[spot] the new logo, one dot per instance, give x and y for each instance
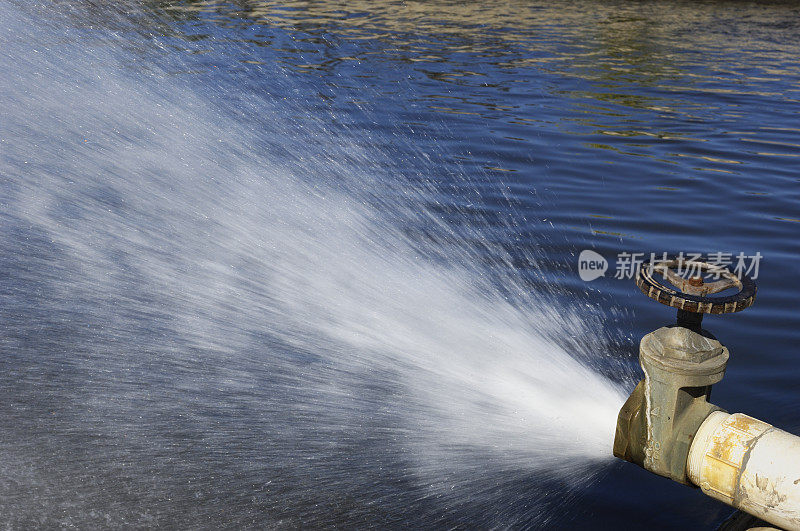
(591, 265)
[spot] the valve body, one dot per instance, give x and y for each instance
(658, 421)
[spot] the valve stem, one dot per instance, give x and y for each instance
(691, 320)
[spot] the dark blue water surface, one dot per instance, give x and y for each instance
(648, 126)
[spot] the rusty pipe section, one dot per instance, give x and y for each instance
(669, 427)
(750, 465)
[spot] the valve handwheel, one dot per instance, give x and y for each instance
(692, 294)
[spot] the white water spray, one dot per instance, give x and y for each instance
(198, 330)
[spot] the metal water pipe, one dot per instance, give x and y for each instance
(669, 427)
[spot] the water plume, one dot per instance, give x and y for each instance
(220, 317)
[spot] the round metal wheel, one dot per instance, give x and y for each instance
(691, 293)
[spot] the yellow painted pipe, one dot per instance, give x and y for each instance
(750, 465)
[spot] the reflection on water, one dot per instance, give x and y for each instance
(661, 66)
